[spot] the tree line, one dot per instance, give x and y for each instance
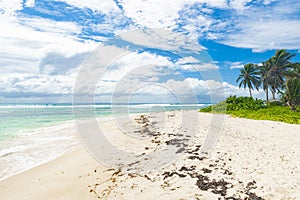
(278, 75)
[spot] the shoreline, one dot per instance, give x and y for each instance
(28, 150)
(55, 129)
(41, 163)
(258, 157)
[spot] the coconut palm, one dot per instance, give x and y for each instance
(280, 69)
(265, 79)
(295, 71)
(249, 77)
(297, 68)
(292, 93)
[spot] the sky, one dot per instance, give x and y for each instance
(154, 51)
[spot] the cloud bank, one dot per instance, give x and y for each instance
(44, 44)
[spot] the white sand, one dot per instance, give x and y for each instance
(251, 159)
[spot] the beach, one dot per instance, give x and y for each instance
(247, 159)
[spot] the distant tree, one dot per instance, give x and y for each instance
(249, 77)
(295, 71)
(297, 68)
(292, 93)
(274, 74)
(265, 79)
(280, 69)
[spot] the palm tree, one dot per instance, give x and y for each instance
(297, 68)
(280, 69)
(295, 71)
(249, 77)
(265, 79)
(292, 93)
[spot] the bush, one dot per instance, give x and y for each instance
(206, 109)
(274, 113)
(250, 108)
(276, 103)
(219, 108)
(244, 103)
(236, 103)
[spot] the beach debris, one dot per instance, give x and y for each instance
(170, 174)
(205, 170)
(180, 150)
(146, 127)
(216, 187)
(184, 168)
(196, 157)
(177, 142)
(209, 175)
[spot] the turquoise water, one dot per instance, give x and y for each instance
(16, 118)
(31, 134)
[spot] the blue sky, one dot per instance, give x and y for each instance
(178, 49)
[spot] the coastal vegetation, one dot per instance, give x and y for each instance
(277, 75)
(248, 107)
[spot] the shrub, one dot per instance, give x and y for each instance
(276, 103)
(248, 107)
(236, 103)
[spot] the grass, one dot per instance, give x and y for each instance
(273, 113)
(246, 107)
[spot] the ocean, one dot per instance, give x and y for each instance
(31, 134)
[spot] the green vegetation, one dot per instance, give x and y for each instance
(292, 93)
(249, 77)
(234, 103)
(273, 113)
(248, 107)
(278, 75)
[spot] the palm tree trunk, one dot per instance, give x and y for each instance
(267, 96)
(273, 95)
(292, 106)
(250, 92)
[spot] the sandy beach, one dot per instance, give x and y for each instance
(251, 160)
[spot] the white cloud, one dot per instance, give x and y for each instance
(9, 7)
(161, 14)
(184, 90)
(50, 26)
(14, 84)
(22, 47)
(153, 13)
(265, 35)
(36, 86)
(161, 39)
(266, 2)
(126, 75)
(105, 6)
(235, 65)
(193, 64)
(261, 28)
(137, 65)
(239, 5)
(215, 89)
(30, 3)
(137, 74)
(37, 52)
(34, 49)
(199, 67)
(186, 60)
(251, 25)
